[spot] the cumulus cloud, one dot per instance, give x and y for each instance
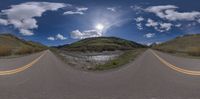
(178, 25)
(78, 10)
(3, 22)
(57, 37)
(139, 26)
(139, 19)
(60, 37)
(138, 22)
(76, 34)
(151, 23)
(159, 26)
(169, 12)
(22, 16)
(149, 35)
(51, 38)
(165, 26)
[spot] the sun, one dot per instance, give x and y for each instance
(99, 27)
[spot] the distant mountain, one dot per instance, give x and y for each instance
(101, 44)
(183, 44)
(10, 44)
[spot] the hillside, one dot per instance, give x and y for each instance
(102, 44)
(186, 44)
(10, 44)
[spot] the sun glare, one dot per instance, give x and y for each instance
(99, 27)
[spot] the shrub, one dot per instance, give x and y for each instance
(5, 50)
(24, 50)
(194, 51)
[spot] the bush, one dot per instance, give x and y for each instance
(194, 51)
(24, 50)
(5, 50)
(28, 50)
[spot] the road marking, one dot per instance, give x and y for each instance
(176, 68)
(22, 68)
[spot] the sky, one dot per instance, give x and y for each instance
(58, 22)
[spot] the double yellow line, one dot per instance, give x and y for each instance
(22, 68)
(176, 68)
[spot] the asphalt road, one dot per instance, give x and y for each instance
(153, 75)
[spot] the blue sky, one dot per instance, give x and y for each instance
(58, 22)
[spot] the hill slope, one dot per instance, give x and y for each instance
(10, 44)
(102, 44)
(186, 44)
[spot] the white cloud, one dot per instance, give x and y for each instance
(158, 10)
(73, 12)
(149, 35)
(151, 23)
(57, 37)
(26, 32)
(159, 26)
(165, 26)
(3, 22)
(78, 10)
(51, 38)
(139, 19)
(61, 37)
(82, 9)
(22, 16)
(199, 20)
(76, 34)
(139, 26)
(169, 12)
(113, 9)
(138, 9)
(178, 25)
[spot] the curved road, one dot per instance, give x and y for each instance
(150, 76)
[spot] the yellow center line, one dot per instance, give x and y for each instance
(22, 68)
(176, 68)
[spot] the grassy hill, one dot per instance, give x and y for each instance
(189, 44)
(102, 44)
(10, 44)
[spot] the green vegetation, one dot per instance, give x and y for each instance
(99, 44)
(189, 44)
(123, 59)
(11, 45)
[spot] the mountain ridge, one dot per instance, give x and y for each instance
(101, 44)
(10, 44)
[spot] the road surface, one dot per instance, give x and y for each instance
(153, 75)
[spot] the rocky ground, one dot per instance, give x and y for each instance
(88, 60)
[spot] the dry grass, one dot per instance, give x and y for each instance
(28, 50)
(5, 50)
(24, 50)
(186, 45)
(194, 51)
